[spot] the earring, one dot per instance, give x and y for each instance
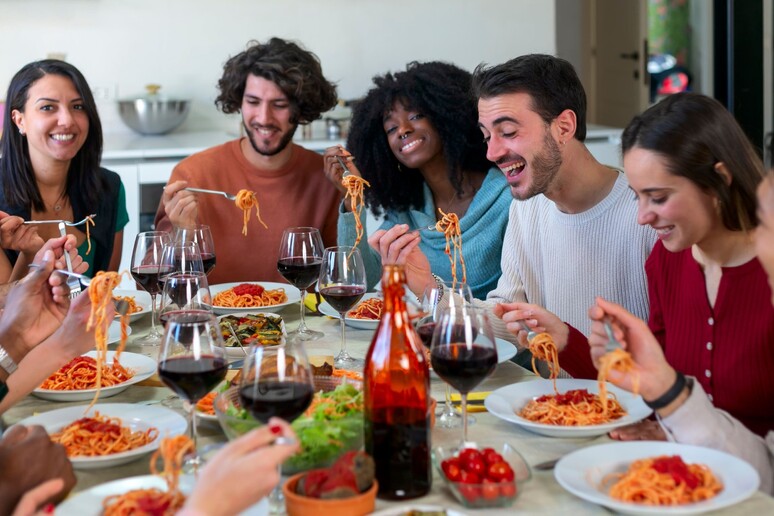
(21, 131)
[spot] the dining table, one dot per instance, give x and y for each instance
(541, 494)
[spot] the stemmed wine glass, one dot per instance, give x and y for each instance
(456, 295)
(299, 261)
(146, 259)
(185, 292)
(276, 382)
(179, 257)
(192, 361)
(463, 352)
(202, 236)
(342, 283)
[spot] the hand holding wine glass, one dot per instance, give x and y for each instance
(192, 360)
(299, 261)
(463, 352)
(146, 260)
(202, 236)
(342, 284)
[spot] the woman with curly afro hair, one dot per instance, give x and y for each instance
(415, 139)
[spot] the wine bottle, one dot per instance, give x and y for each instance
(397, 400)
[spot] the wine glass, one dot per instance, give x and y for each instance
(146, 259)
(192, 361)
(463, 352)
(276, 382)
(179, 257)
(456, 295)
(299, 260)
(202, 235)
(342, 283)
(185, 292)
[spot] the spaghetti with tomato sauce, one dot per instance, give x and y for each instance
(577, 407)
(249, 295)
(101, 435)
(81, 374)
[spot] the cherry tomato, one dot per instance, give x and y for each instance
(470, 492)
(490, 490)
(507, 489)
(475, 465)
(499, 471)
(491, 456)
(468, 454)
(451, 468)
(468, 477)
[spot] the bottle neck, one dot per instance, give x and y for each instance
(393, 281)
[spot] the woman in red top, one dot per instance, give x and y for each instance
(694, 174)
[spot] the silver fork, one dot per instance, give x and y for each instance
(612, 342)
(230, 197)
(65, 222)
(122, 306)
(530, 334)
(74, 284)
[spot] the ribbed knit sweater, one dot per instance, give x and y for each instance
(563, 261)
(728, 347)
(482, 228)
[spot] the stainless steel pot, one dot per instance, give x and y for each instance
(153, 113)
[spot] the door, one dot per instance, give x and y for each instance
(619, 55)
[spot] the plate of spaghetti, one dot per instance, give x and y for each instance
(110, 434)
(365, 315)
(571, 413)
(650, 477)
(76, 380)
(241, 297)
(139, 302)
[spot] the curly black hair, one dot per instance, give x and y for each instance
(442, 93)
(296, 71)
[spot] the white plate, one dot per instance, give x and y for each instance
(143, 368)
(505, 350)
(114, 332)
(402, 510)
(236, 351)
(136, 417)
(362, 324)
(89, 502)
(581, 472)
(506, 401)
(294, 296)
(142, 298)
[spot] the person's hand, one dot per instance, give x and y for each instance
(32, 501)
(14, 234)
(181, 206)
(253, 457)
(59, 246)
(333, 170)
(655, 374)
(28, 458)
(400, 246)
(646, 430)
(72, 339)
(34, 308)
(537, 318)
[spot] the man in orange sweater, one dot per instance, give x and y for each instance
(275, 86)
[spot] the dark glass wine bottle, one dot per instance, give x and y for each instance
(397, 398)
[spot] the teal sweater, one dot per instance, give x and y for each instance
(483, 230)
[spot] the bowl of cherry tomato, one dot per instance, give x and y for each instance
(482, 477)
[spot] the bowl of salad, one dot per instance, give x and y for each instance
(331, 426)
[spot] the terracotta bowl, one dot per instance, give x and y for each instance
(298, 505)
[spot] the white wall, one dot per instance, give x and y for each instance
(121, 45)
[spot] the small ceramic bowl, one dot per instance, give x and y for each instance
(298, 505)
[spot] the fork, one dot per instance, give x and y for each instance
(122, 306)
(230, 197)
(74, 284)
(612, 342)
(530, 334)
(65, 222)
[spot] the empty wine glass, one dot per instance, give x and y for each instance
(202, 236)
(454, 295)
(192, 361)
(185, 292)
(276, 382)
(342, 283)
(463, 352)
(299, 261)
(146, 259)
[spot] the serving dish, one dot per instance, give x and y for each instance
(293, 294)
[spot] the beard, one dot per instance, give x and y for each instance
(270, 151)
(545, 167)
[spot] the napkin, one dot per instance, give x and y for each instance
(475, 401)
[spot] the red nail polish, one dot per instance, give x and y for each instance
(49, 509)
(275, 429)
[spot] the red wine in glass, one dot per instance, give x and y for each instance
(268, 399)
(462, 366)
(343, 297)
(425, 332)
(147, 276)
(300, 271)
(192, 378)
(208, 260)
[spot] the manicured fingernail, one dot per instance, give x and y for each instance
(49, 509)
(275, 429)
